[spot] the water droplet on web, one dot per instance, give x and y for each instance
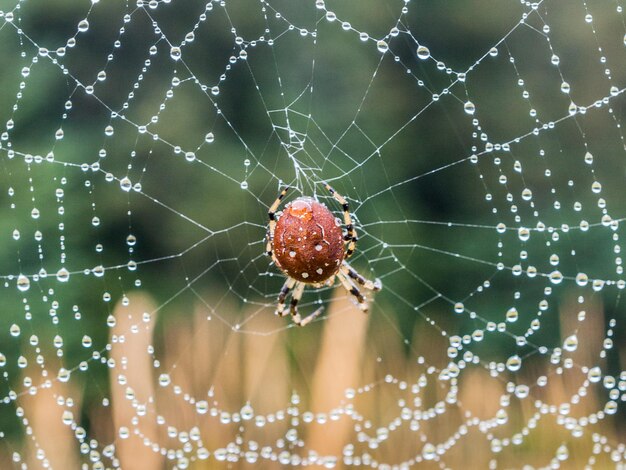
(594, 375)
(67, 417)
(423, 52)
(190, 156)
(164, 380)
(202, 407)
(209, 138)
(126, 184)
(571, 343)
(469, 107)
(86, 341)
(23, 283)
(572, 109)
(523, 233)
(382, 46)
(247, 412)
(596, 187)
(63, 275)
(244, 185)
(14, 330)
(16, 234)
(514, 363)
(63, 375)
(59, 134)
(123, 432)
(512, 315)
(556, 277)
(175, 53)
(83, 26)
(582, 279)
(459, 307)
(98, 271)
(429, 451)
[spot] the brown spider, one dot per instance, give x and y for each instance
(307, 244)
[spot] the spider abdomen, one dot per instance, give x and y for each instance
(308, 243)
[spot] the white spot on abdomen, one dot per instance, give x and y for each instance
(305, 275)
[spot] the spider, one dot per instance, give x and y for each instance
(307, 244)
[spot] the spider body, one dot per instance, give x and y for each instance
(307, 243)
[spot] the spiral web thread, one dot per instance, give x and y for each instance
(144, 129)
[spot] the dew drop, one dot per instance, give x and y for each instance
(23, 283)
(64, 375)
(571, 343)
(63, 275)
(175, 53)
(15, 330)
(382, 46)
(164, 380)
(594, 375)
(126, 184)
(582, 279)
(202, 407)
(423, 52)
(83, 26)
(514, 363)
(429, 452)
(469, 108)
(556, 277)
(523, 233)
(67, 417)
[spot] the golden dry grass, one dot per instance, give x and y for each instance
(208, 360)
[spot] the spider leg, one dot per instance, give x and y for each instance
(295, 298)
(284, 291)
(351, 237)
(272, 216)
(353, 274)
(349, 285)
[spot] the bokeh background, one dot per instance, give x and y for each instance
(141, 144)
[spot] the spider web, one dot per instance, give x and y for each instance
(481, 148)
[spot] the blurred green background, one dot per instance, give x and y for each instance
(310, 100)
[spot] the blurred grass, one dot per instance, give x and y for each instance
(344, 383)
(346, 350)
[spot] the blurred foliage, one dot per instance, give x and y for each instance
(370, 128)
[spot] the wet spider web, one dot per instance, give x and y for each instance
(481, 148)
